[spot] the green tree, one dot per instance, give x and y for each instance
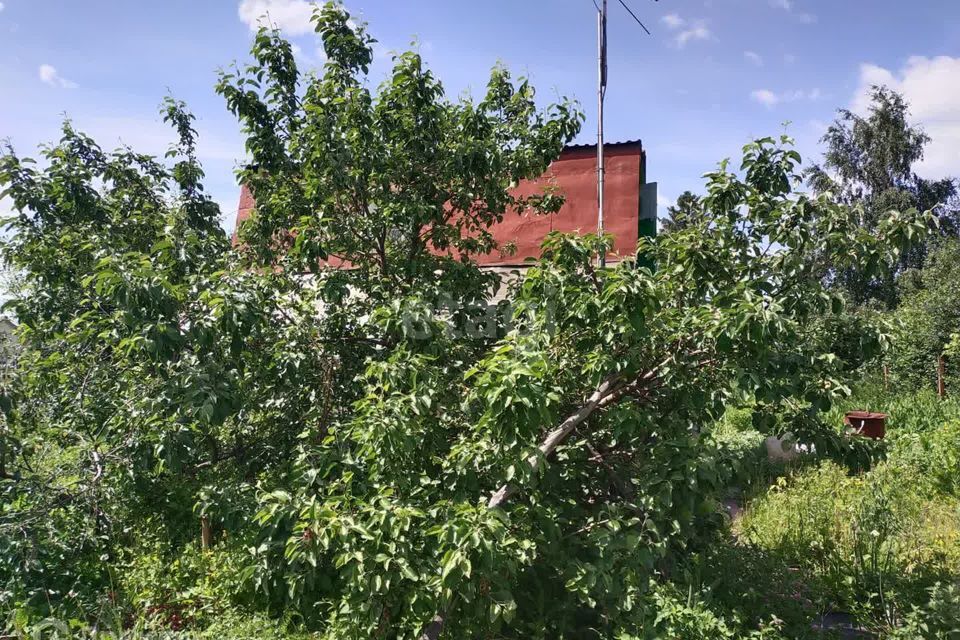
(928, 319)
(533, 488)
(683, 213)
(166, 373)
(141, 342)
(868, 165)
(393, 457)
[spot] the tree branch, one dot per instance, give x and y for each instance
(607, 389)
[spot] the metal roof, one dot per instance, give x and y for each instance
(618, 143)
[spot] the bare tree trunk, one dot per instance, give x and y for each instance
(604, 392)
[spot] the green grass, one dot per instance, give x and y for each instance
(913, 412)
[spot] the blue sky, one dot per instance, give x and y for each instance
(714, 74)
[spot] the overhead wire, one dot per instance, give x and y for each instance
(630, 11)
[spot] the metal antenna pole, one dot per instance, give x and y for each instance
(601, 92)
(601, 89)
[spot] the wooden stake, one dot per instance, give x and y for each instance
(206, 535)
(941, 383)
(886, 377)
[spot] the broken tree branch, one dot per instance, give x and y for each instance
(606, 389)
(609, 391)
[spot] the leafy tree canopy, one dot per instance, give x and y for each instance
(683, 213)
(869, 165)
(383, 453)
(929, 320)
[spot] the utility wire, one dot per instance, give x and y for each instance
(630, 11)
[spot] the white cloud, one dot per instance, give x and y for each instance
(1, 6)
(50, 75)
(291, 16)
(765, 97)
(698, 31)
(871, 75)
(308, 59)
(753, 57)
(673, 21)
(770, 99)
(926, 85)
(788, 6)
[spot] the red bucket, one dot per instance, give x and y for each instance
(866, 423)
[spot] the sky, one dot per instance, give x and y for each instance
(713, 75)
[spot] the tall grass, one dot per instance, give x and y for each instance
(913, 412)
(883, 544)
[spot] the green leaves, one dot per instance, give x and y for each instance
(342, 362)
(402, 184)
(868, 165)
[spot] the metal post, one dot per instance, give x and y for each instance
(601, 89)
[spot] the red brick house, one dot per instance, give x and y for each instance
(629, 211)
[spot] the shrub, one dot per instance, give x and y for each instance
(740, 446)
(673, 614)
(184, 588)
(938, 619)
(928, 318)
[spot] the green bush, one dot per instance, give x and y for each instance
(740, 447)
(231, 624)
(928, 318)
(935, 454)
(855, 336)
(183, 588)
(938, 619)
(673, 614)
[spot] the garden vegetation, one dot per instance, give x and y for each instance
(325, 430)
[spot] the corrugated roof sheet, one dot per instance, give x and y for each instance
(606, 143)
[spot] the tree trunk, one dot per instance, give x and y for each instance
(557, 436)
